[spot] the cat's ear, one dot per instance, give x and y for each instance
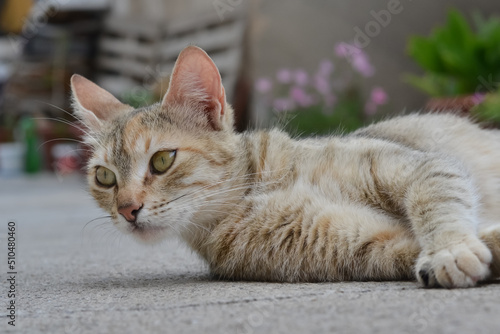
(94, 105)
(196, 79)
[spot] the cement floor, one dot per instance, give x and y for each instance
(74, 277)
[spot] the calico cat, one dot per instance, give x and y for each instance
(396, 200)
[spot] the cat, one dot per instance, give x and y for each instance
(397, 200)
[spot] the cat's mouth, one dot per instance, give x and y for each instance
(147, 233)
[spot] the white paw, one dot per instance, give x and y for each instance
(458, 265)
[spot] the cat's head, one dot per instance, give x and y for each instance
(155, 169)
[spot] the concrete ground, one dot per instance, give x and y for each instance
(79, 277)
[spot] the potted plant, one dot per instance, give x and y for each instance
(327, 100)
(488, 110)
(459, 61)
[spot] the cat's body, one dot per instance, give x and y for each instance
(397, 200)
(334, 208)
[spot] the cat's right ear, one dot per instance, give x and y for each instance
(93, 105)
(196, 79)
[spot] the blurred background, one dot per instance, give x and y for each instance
(311, 66)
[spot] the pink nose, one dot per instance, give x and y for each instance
(130, 211)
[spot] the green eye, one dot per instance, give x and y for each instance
(161, 161)
(105, 177)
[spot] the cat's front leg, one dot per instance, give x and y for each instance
(440, 201)
(442, 206)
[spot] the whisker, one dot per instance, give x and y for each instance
(87, 133)
(192, 225)
(61, 120)
(93, 220)
(244, 185)
(189, 205)
(212, 210)
(244, 176)
(223, 191)
(57, 107)
(61, 139)
(69, 114)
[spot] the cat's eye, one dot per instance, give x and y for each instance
(105, 177)
(161, 161)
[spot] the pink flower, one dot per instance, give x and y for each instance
(378, 96)
(478, 98)
(283, 104)
(284, 76)
(360, 63)
(346, 50)
(301, 97)
(321, 84)
(263, 85)
(325, 68)
(357, 57)
(341, 49)
(301, 77)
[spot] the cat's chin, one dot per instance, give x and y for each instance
(150, 235)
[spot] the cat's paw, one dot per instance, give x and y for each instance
(458, 265)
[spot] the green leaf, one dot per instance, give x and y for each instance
(489, 109)
(459, 30)
(455, 57)
(434, 85)
(425, 53)
(423, 84)
(456, 45)
(346, 116)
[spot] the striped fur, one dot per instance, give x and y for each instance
(401, 199)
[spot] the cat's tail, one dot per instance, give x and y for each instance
(491, 237)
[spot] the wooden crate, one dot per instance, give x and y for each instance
(128, 49)
(223, 40)
(137, 54)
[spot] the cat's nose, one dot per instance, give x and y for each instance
(130, 211)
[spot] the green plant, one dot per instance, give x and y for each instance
(456, 58)
(139, 97)
(489, 109)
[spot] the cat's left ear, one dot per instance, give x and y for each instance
(93, 105)
(196, 79)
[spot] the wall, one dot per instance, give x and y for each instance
(299, 33)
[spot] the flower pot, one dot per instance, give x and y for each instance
(458, 104)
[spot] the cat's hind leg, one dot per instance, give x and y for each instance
(439, 198)
(289, 238)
